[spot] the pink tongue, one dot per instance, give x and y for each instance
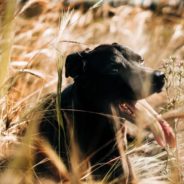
(159, 134)
(161, 130)
(168, 132)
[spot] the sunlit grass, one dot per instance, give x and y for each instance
(6, 39)
(39, 77)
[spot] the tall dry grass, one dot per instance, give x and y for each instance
(38, 52)
(6, 39)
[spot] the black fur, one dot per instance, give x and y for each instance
(103, 77)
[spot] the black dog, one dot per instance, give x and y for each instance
(109, 75)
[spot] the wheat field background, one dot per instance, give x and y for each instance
(36, 36)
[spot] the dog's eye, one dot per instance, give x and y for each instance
(111, 70)
(115, 70)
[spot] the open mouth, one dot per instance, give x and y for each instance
(142, 112)
(128, 110)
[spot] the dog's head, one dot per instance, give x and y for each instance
(116, 70)
(115, 73)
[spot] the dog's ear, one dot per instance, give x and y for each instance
(75, 64)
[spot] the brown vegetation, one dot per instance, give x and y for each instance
(30, 71)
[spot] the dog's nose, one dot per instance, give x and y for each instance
(159, 75)
(158, 80)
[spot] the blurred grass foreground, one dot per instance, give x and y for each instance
(35, 34)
